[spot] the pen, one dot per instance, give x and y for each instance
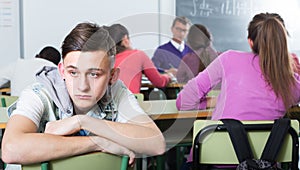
(171, 65)
(160, 70)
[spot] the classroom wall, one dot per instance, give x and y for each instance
(9, 31)
(46, 22)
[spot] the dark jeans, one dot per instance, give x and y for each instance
(187, 166)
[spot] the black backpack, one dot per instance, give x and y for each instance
(243, 150)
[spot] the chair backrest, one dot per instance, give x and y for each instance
(215, 147)
(91, 161)
(7, 104)
(8, 100)
(213, 93)
(159, 106)
(139, 97)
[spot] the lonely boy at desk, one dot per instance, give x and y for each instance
(82, 95)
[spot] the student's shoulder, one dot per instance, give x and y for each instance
(29, 96)
(36, 91)
(119, 89)
(230, 54)
(165, 45)
(139, 53)
(234, 52)
(120, 92)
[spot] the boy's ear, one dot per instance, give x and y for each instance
(61, 70)
(114, 75)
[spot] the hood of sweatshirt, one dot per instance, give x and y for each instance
(56, 87)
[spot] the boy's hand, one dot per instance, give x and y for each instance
(65, 126)
(108, 146)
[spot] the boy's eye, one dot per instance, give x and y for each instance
(73, 73)
(93, 74)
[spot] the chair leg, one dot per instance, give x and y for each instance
(180, 152)
(44, 166)
(160, 162)
(139, 163)
(178, 157)
(124, 163)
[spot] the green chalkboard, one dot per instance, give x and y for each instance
(228, 20)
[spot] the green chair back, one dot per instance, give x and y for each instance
(8, 100)
(91, 161)
(139, 97)
(216, 146)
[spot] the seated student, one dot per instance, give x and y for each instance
(257, 85)
(200, 41)
(22, 73)
(75, 99)
(133, 63)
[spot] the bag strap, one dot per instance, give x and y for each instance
(239, 139)
(276, 138)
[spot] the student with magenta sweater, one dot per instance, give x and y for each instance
(133, 63)
(257, 85)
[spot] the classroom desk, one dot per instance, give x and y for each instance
(170, 91)
(195, 114)
(5, 90)
(2, 125)
(178, 126)
(177, 129)
(170, 85)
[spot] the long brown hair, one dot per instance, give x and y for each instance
(269, 38)
(200, 38)
(117, 33)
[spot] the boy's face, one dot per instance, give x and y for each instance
(86, 75)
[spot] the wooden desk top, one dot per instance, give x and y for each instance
(165, 116)
(170, 85)
(182, 115)
(5, 90)
(2, 125)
